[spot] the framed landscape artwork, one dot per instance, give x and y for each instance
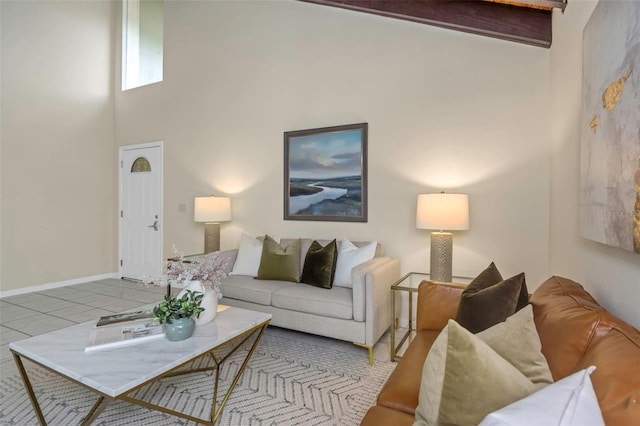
(610, 126)
(325, 174)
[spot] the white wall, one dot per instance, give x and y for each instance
(612, 275)
(58, 159)
(446, 110)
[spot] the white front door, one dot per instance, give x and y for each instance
(141, 211)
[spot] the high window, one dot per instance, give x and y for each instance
(142, 42)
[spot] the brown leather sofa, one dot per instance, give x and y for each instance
(575, 332)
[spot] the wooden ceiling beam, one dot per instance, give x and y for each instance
(559, 4)
(545, 4)
(503, 21)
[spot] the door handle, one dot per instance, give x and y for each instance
(154, 226)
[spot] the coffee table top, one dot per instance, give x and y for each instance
(116, 371)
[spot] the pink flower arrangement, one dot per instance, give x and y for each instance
(209, 269)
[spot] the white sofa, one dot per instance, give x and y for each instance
(360, 314)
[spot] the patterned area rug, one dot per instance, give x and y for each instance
(292, 379)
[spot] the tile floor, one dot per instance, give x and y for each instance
(35, 313)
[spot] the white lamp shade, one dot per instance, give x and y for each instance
(445, 212)
(211, 209)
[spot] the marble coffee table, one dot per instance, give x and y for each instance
(114, 374)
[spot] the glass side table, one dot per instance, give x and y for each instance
(409, 283)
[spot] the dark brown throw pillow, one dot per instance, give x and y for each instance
(489, 300)
(320, 265)
(490, 276)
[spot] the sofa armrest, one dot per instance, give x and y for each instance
(437, 303)
(372, 282)
(231, 255)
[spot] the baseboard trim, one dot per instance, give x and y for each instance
(48, 286)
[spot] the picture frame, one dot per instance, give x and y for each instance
(325, 174)
(610, 127)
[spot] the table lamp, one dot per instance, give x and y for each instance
(442, 212)
(211, 210)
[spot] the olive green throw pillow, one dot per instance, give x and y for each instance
(278, 263)
(463, 380)
(320, 265)
(517, 341)
(489, 299)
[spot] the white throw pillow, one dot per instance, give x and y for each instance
(568, 402)
(249, 255)
(350, 256)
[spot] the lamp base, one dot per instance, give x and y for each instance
(211, 237)
(441, 249)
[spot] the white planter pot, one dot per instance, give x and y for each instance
(209, 301)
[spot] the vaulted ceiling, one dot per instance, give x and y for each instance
(524, 21)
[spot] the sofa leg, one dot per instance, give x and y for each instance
(370, 348)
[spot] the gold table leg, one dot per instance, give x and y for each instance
(27, 386)
(101, 404)
(392, 346)
(215, 411)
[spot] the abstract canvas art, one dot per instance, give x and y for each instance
(325, 174)
(610, 126)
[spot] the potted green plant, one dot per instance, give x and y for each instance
(177, 314)
(201, 273)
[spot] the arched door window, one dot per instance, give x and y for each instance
(140, 165)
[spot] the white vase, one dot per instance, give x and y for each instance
(210, 305)
(209, 301)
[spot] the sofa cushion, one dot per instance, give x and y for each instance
(463, 380)
(336, 302)
(569, 320)
(568, 402)
(559, 286)
(279, 263)
(320, 265)
(378, 415)
(485, 303)
(251, 290)
(400, 391)
(616, 380)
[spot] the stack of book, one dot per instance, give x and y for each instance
(123, 329)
